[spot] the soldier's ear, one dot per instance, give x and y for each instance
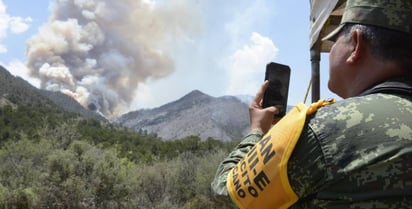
(358, 44)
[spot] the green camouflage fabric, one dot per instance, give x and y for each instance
(390, 14)
(219, 183)
(356, 153)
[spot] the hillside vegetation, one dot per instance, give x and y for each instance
(50, 158)
(56, 160)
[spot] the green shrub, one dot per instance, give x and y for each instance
(71, 163)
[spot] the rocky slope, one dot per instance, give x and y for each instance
(224, 118)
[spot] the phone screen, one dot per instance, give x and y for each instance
(276, 94)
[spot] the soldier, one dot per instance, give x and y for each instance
(355, 153)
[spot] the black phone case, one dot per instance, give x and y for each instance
(277, 92)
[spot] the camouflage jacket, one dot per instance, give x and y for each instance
(356, 153)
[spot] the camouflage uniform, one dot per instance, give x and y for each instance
(391, 14)
(356, 153)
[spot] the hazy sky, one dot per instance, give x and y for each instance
(130, 54)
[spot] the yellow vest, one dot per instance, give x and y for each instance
(260, 180)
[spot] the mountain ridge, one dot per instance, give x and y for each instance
(22, 92)
(196, 113)
(225, 118)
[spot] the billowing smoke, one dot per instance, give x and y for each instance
(99, 51)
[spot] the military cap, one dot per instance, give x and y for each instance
(390, 14)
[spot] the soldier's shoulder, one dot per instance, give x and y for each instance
(379, 103)
(359, 112)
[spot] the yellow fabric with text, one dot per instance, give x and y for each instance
(260, 180)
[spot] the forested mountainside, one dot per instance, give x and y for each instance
(20, 91)
(53, 158)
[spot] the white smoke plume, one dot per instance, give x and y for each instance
(99, 51)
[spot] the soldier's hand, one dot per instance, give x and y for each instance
(261, 119)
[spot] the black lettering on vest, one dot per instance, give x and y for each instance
(253, 163)
(242, 166)
(266, 149)
(261, 180)
(251, 151)
(252, 155)
(236, 181)
(253, 191)
(241, 193)
(247, 180)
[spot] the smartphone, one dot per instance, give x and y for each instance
(277, 92)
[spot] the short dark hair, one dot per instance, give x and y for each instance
(385, 44)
